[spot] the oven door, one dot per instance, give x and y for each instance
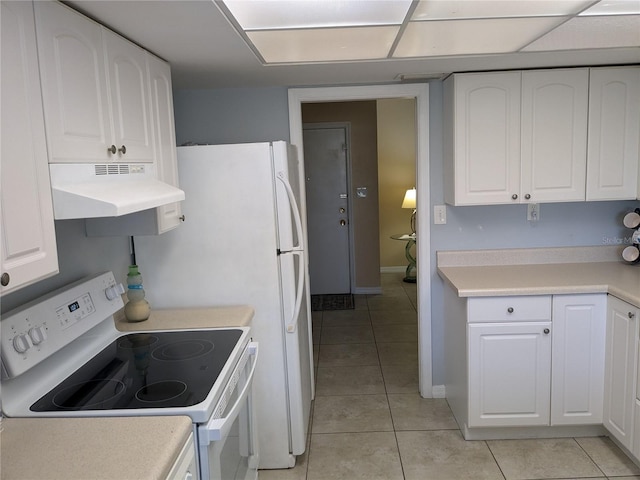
(228, 443)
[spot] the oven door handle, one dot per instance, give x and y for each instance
(218, 428)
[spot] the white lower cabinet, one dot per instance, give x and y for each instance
(509, 374)
(577, 358)
(620, 370)
(535, 360)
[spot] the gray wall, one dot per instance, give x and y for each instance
(243, 115)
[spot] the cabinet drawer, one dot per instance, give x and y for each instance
(509, 309)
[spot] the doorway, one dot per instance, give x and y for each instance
(298, 96)
(326, 165)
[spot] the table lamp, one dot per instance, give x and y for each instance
(410, 202)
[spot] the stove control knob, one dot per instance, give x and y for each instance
(38, 335)
(22, 343)
(114, 291)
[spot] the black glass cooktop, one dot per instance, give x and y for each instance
(146, 370)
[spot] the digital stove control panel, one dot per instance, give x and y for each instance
(37, 330)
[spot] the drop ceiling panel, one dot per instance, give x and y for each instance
(323, 45)
(464, 37)
(614, 7)
(279, 14)
(457, 9)
(591, 32)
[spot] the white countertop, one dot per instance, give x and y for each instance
(116, 448)
(189, 318)
(541, 271)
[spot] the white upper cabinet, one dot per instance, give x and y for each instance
(516, 137)
(169, 216)
(614, 133)
(130, 100)
(554, 135)
(482, 138)
(95, 90)
(28, 240)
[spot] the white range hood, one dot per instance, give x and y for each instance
(87, 190)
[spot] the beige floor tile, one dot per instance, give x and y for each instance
(316, 354)
(355, 354)
(316, 318)
(341, 318)
(381, 302)
(363, 380)
(352, 413)
(542, 458)
(346, 334)
(316, 331)
(360, 302)
(412, 412)
(395, 333)
(401, 378)
(401, 353)
(383, 317)
(445, 455)
(608, 457)
(354, 456)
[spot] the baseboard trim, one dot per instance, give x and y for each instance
(399, 269)
(438, 391)
(368, 291)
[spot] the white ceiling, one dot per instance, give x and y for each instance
(206, 51)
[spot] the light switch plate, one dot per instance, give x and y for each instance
(439, 214)
(533, 212)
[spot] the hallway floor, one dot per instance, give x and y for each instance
(370, 423)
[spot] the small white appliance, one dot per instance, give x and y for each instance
(243, 242)
(63, 357)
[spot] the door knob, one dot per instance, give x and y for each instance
(343, 222)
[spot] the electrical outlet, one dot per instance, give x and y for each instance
(533, 212)
(439, 214)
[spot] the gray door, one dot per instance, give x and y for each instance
(325, 164)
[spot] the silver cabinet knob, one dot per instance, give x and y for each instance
(510, 309)
(182, 218)
(527, 196)
(514, 196)
(112, 149)
(5, 279)
(343, 222)
(122, 150)
(546, 331)
(631, 315)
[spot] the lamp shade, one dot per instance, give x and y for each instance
(409, 199)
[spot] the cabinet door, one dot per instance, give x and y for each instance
(509, 374)
(620, 369)
(554, 135)
(74, 92)
(577, 374)
(129, 98)
(482, 155)
(614, 133)
(28, 241)
(165, 138)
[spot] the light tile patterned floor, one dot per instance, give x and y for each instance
(369, 422)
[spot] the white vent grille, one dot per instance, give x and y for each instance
(112, 169)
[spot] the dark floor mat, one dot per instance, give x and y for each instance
(332, 302)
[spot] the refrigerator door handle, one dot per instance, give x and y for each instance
(291, 328)
(294, 208)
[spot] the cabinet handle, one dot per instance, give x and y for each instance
(510, 309)
(112, 150)
(182, 218)
(527, 196)
(514, 196)
(630, 314)
(546, 331)
(5, 279)
(122, 150)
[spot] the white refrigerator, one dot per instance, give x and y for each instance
(243, 242)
